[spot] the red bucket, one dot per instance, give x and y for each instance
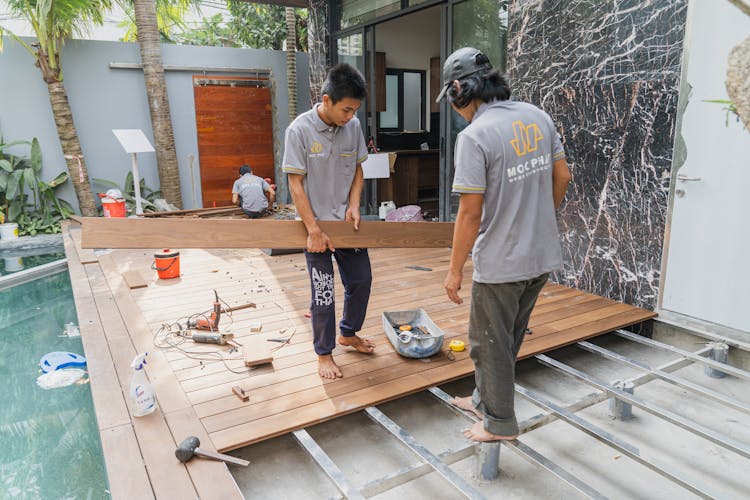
(167, 264)
(112, 207)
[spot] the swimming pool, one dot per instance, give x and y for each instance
(49, 439)
(14, 263)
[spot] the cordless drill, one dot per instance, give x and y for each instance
(200, 322)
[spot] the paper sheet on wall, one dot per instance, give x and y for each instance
(376, 166)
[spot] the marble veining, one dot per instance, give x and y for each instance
(608, 74)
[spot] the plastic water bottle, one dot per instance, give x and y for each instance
(142, 396)
(385, 208)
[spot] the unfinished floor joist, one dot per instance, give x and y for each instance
(247, 233)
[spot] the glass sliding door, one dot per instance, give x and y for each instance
(482, 24)
(354, 49)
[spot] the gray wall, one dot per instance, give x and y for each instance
(103, 99)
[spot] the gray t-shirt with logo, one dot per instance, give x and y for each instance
(506, 153)
(327, 156)
(252, 189)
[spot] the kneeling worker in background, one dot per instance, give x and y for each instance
(252, 193)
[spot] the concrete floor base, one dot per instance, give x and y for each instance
(364, 451)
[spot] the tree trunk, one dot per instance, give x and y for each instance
(158, 102)
(317, 36)
(738, 80)
(291, 61)
(71, 147)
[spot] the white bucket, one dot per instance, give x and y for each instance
(13, 264)
(8, 231)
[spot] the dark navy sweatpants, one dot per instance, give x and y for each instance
(356, 275)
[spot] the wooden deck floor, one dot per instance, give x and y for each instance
(287, 395)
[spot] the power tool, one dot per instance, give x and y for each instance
(201, 322)
(212, 338)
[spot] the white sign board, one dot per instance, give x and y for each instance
(376, 166)
(133, 140)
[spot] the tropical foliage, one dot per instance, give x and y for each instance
(54, 22)
(212, 32)
(19, 178)
(264, 26)
(170, 18)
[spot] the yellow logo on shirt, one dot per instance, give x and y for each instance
(316, 147)
(527, 137)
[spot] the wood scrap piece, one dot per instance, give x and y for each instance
(134, 279)
(240, 393)
(236, 308)
(256, 351)
(256, 327)
(101, 232)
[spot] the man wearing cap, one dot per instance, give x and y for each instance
(323, 153)
(252, 193)
(511, 174)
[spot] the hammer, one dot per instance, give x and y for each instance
(188, 448)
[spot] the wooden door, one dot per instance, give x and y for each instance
(234, 120)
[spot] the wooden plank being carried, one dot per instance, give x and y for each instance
(238, 233)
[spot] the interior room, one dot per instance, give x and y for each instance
(407, 67)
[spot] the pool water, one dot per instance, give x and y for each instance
(49, 442)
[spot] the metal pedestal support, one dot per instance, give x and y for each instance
(619, 409)
(719, 353)
(488, 461)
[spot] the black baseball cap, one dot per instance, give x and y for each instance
(464, 62)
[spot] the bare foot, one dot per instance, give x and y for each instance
(477, 432)
(327, 368)
(466, 404)
(362, 345)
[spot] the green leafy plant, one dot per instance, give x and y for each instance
(19, 177)
(148, 195)
(728, 106)
(212, 32)
(264, 26)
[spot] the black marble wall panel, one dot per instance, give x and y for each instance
(608, 73)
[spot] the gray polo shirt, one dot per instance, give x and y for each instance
(506, 153)
(252, 189)
(328, 157)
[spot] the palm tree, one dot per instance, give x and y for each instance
(54, 22)
(291, 60)
(317, 33)
(158, 100)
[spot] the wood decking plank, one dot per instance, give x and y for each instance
(119, 446)
(111, 409)
(288, 394)
(320, 390)
(170, 395)
(210, 478)
(533, 346)
(99, 232)
(126, 474)
(85, 255)
(281, 423)
(168, 477)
